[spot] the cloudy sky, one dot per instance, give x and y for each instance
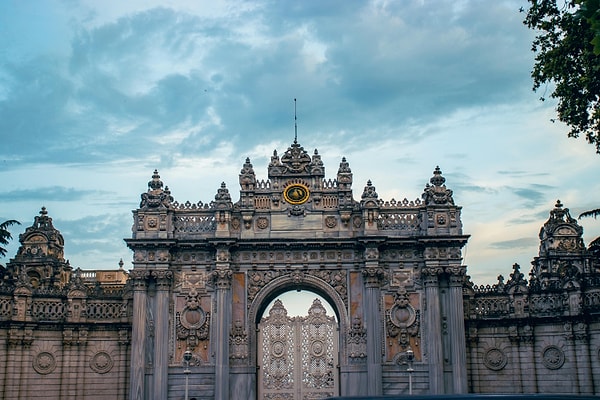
(94, 95)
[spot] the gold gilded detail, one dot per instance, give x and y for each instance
(296, 194)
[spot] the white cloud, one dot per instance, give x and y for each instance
(100, 94)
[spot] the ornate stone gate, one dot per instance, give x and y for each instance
(298, 356)
(205, 272)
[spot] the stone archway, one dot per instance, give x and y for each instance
(310, 283)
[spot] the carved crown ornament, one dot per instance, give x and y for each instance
(402, 320)
(192, 324)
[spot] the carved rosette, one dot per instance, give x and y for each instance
(101, 362)
(192, 324)
(44, 363)
(495, 359)
(553, 357)
(402, 320)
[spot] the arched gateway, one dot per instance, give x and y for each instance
(204, 275)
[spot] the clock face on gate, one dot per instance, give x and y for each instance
(296, 194)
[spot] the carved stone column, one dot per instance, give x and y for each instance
(513, 336)
(473, 341)
(221, 277)
(582, 356)
(373, 276)
(527, 359)
(456, 327)
(433, 332)
(138, 334)
(161, 332)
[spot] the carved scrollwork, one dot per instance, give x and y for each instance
(357, 340)
(238, 342)
(336, 279)
(192, 323)
(402, 320)
(221, 277)
(373, 276)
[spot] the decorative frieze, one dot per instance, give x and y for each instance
(337, 279)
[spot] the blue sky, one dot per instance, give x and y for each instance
(95, 95)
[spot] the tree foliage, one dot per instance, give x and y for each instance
(567, 48)
(5, 235)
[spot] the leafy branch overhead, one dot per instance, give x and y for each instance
(5, 235)
(567, 48)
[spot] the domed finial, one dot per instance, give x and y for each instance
(437, 179)
(558, 204)
(155, 183)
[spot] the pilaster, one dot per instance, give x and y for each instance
(373, 276)
(138, 334)
(433, 333)
(456, 327)
(163, 280)
(222, 277)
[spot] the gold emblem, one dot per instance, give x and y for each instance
(296, 194)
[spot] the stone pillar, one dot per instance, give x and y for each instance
(527, 359)
(373, 275)
(582, 358)
(70, 365)
(433, 330)
(13, 363)
(161, 332)
(513, 336)
(123, 361)
(221, 277)
(456, 327)
(82, 342)
(138, 334)
(473, 341)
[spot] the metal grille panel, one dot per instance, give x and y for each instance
(298, 355)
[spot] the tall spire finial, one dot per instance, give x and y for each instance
(295, 124)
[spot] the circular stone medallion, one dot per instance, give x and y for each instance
(296, 194)
(101, 362)
(553, 357)
(495, 359)
(44, 363)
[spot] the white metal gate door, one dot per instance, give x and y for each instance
(297, 356)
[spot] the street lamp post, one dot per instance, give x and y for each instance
(187, 356)
(410, 357)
